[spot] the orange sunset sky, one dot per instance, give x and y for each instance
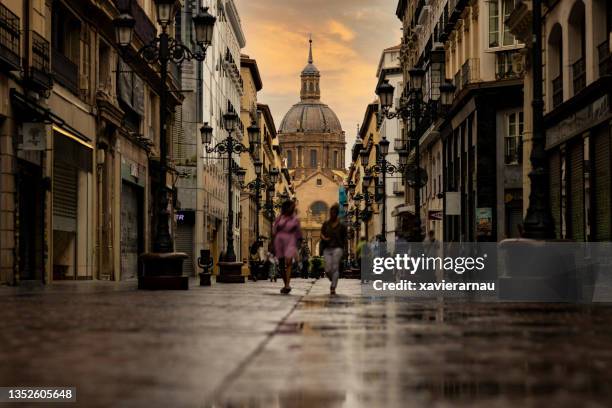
(348, 38)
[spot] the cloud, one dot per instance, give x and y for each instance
(345, 33)
(348, 38)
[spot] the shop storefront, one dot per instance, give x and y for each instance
(578, 141)
(132, 217)
(72, 206)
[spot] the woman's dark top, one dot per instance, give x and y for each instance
(336, 234)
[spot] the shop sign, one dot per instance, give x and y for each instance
(435, 215)
(34, 136)
(452, 203)
(578, 122)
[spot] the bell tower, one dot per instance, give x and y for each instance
(310, 79)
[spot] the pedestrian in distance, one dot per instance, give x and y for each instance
(287, 232)
(334, 241)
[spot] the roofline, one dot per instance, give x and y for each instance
(267, 113)
(234, 18)
(382, 57)
(370, 110)
(251, 64)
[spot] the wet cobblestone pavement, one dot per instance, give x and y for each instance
(248, 346)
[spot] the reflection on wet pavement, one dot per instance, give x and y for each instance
(248, 346)
(352, 351)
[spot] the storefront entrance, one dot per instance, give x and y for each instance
(31, 221)
(131, 229)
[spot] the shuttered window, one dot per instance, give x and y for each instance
(602, 185)
(184, 243)
(576, 188)
(554, 163)
(64, 197)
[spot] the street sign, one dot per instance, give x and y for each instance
(435, 215)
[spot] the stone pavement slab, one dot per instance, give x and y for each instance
(248, 346)
(124, 347)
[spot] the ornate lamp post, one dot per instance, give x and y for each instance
(260, 183)
(539, 223)
(164, 49)
(411, 112)
(230, 146)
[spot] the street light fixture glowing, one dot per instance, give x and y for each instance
(165, 11)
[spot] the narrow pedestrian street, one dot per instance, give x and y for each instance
(247, 345)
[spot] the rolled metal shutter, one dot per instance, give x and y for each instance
(576, 187)
(554, 168)
(602, 186)
(184, 243)
(65, 202)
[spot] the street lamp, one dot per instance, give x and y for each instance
(258, 166)
(230, 146)
(365, 157)
(539, 222)
(447, 91)
(162, 50)
(411, 113)
(416, 78)
(206, 133)
(124, 29)
(204, 23)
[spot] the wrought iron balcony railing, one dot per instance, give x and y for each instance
(468, 74)
(40, 72)
(9, 39)
(557, 91)
(579, 75)
(65, 72)
(605, 58)
(503, 65)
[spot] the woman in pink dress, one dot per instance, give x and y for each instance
(287, 232)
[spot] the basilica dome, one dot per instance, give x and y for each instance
(310, 117)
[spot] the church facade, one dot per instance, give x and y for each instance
(313, 145)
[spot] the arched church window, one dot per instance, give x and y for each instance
(319, 208)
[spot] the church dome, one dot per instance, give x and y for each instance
(310, 117)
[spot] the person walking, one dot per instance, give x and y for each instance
(287, 232)
(333, 239)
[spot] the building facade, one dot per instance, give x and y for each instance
(470, 149)
(577, 75)
(80, 141)
(313, 144)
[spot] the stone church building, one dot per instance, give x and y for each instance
(313, 145)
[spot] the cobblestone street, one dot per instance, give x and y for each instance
(246, 345)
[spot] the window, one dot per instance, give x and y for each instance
(319, 182)
(289, 158)
(512, 145)
(313, 158)
(336, 162)
(319, 208)
(499, 33)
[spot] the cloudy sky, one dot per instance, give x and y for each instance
(348, 37)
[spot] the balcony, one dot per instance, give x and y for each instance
(9, 40)
(605, 59)
(504, 68)
(468, 74)
(399, 144)
(557, 91)
(579, 75)
(65, 72)
(40, 74)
